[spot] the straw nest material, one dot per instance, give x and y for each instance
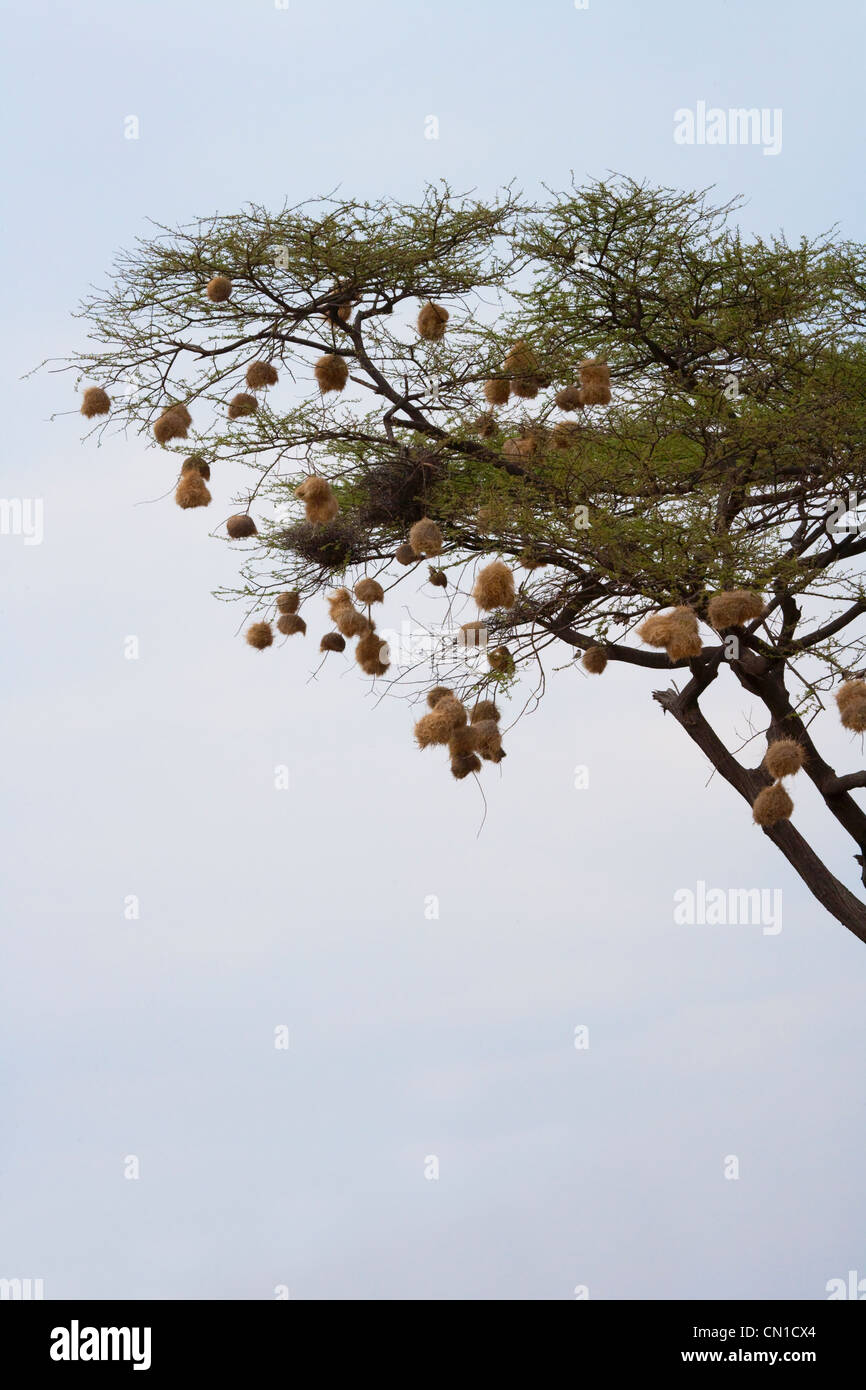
(500, 660)
(369, 591)
(260, 635)
(772, 805)
(851, 701)
(194, 462)
(497, 390)
(784, 757)
(569, 398)
(594, 383)
(594, 660)
(494, 587)
(192, 490)
(431, 322)
(331, 373)
(95, 401)
(218, 289)
(288, 602)
(260, 374)
(173, 423)
(242, 405)
(241, 526)
(332, 642)
(425, 538)
(733, 608)
(371, 654)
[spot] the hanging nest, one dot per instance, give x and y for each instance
(522, 447)
(260, 374)
(521, 360)
(452, 709)
(290, 623)
(438, 578)
(218, 289)
(241, 526)
(472, 635)
(526, 387)
(594, 660)
(445, 717)
(684, 642)
(500, 660)
(242, 405)
(332, 642)
(430, 730)
(173, 423)
(192, 490)
(488, 740)
(288, 602)
(494, 587)
(431, 322)
(569, 398)
(194, 462)
(439, 692)
(95, 401)
(484, 425)
(772, 805)
(331, 373)
(464, 739)
(676, 631)
(733, 608)
(851, 700)
(405, 555)
(369, 591)
(371, 654)
(345, 616)
(350, 622)
(784, 757)
(497, 390)
(594, 383)
(521, 365)
(483, 711)
(465, 764)
(260, 635)
(565, 434)
(318, 498)
(425, 538)
(331, 545)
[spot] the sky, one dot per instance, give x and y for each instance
(510, 1073)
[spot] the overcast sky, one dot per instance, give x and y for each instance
(410, 1037)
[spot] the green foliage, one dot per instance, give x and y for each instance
(737, 369)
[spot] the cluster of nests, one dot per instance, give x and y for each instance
(371, 653)
(783, 758)
(523, 378)
(677, 632)
(469, 738)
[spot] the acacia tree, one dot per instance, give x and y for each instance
(737, 419)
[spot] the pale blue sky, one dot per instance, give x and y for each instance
(409, 1037)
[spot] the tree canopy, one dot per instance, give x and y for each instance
(594, 410)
